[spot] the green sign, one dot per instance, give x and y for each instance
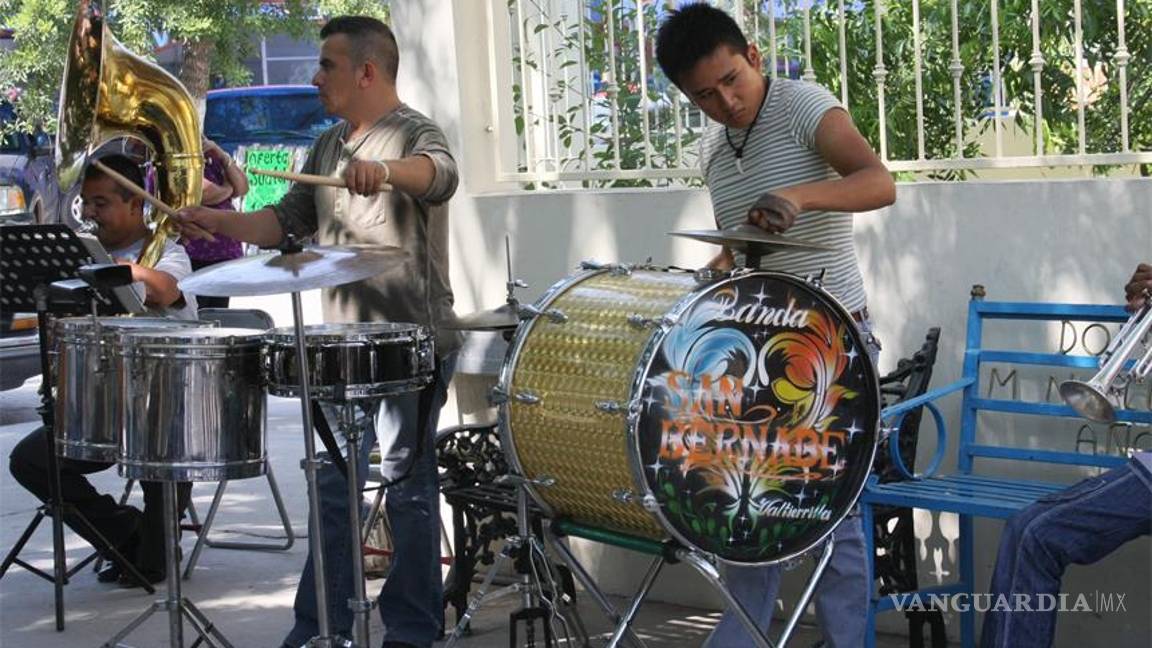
(265, 190)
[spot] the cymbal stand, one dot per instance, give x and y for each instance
(360, 604)
(513, 283)
(524, 548)
(310, 464)
(175, 604)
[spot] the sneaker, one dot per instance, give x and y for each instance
(109, 572)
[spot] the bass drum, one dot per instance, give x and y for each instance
(737, 416)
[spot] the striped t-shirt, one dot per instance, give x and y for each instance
(781, 152)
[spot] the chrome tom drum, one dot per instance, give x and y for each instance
(349, 361)
(89, 390)
(194, 405)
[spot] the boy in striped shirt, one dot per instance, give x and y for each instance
(783, 155)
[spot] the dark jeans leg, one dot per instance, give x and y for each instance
(1080, 525)
(28, 463)
(150, 556)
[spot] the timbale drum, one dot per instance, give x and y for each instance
(736, 413)
(350, 361)
(89, 387)
(194, 405)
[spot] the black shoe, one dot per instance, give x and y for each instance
(397, 644)
(126, 580)
(109, 572)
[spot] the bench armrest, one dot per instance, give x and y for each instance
(895, 415)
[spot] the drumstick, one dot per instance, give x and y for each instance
(308, 178)
(140, 193)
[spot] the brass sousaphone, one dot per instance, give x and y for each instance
(108, 93)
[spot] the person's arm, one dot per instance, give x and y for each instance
(412, 175)
(1138, 286)
(427, 171)
(160, 290)
(864, 183)
(723, 261)
(264, 227)
(260, 227)
(234, 183)
(235, 177)
(214, 194)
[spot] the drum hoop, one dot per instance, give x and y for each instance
(231, 339)
(511, 360)
(648, 356)
(352, 392)
(339, 342)
(321, 334)
(81, 328)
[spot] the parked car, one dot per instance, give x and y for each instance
(19, 340)
(28, 189)
(265, 127)
(19, 349)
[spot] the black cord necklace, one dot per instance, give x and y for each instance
(739, 150)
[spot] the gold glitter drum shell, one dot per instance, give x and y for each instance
(734, 413)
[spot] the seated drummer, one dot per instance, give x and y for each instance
(139, 536)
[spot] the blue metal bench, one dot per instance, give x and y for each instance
(965, 492)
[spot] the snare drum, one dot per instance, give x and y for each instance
(89, 393)
(194, 405)
(350, 361)
(737, 416)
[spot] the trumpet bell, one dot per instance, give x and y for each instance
(1088, 401)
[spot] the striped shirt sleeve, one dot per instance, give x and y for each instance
(807, 106)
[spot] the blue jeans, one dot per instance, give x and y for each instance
(411, 601)
(841, 598)
(1081, 525)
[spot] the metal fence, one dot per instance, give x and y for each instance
(938, 86)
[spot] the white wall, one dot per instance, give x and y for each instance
(1070, 241)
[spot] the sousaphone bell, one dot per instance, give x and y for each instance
(108, 93)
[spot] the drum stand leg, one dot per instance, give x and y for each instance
(202, 538)
(522, 548)
(175, 604)
(55, 508)
(592, 588)
(707, 568)
(360, 605)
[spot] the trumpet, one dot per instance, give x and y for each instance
(1098, 398)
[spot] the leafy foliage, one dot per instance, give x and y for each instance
(224, 31)
(617, 136)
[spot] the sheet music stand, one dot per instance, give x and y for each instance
(32, 258)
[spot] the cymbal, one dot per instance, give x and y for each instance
(501, 318)
(749, 239)
(273, 273)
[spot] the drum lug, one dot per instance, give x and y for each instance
(624, 495)
(709, 275)
(527, 397)
(553, 314)
(610, 407)
(639, 322)
(497, 395)
(649, 503)
(619, 269)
